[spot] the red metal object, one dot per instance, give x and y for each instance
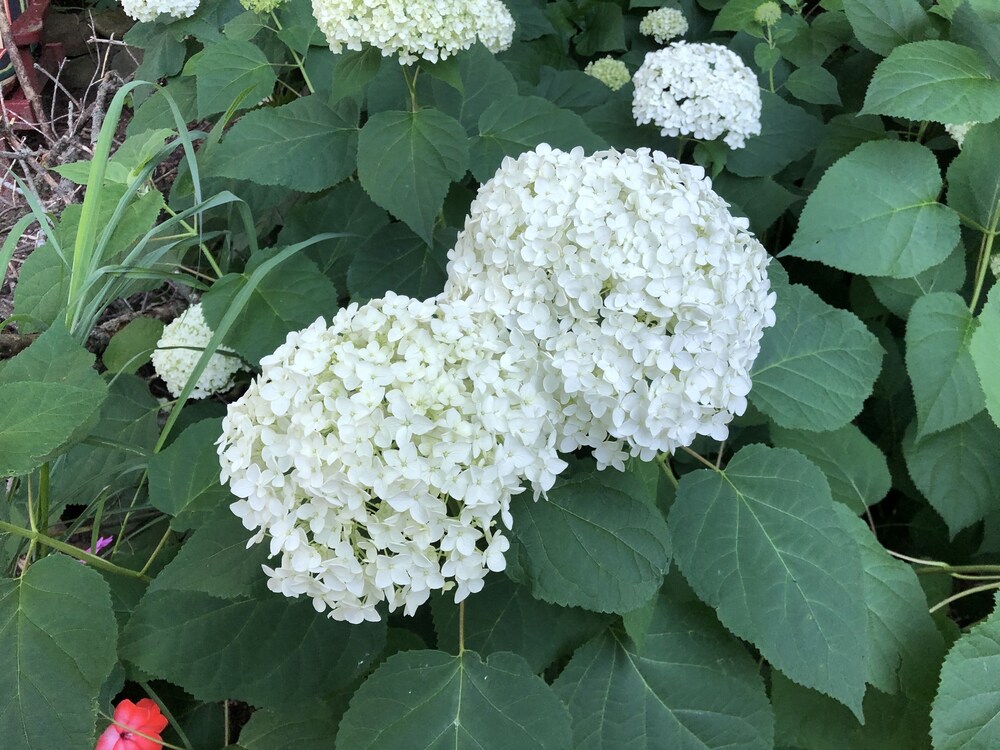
(15, 109)
(28, 27)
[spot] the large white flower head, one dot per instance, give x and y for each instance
(702, 90)
(959, 131)
(609, 71)
(645, 296)
(148, 10)
(379, 453)
(663, 24)
(179, 348)
(411, 29)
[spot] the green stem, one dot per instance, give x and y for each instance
(661, 459)
(411, 85)
(921, 130)
(159, 547)
(193, 232)
(42, 524)
(963, 594)
(985, 250)
(37, 537)
(461, 628)
(170, 717)
(295, 56)
(699, 457)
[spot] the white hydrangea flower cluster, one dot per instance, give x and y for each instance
(148, 10)
(958, 132)
(179, 348)
(379, 452)
(428, 29)
(703, 90)
(646, 296)
(612, 73)
(663, 24)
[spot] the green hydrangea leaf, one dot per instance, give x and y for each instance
(813, 84)
(883, 25)
(311, 726)
(184, 477)
(353, 71)
(266, 651)
(132, 346)
(956, 470)
(985, 350)
(59, 639)
(504, 616)
(515, 124)
(484, 80)
(856, 469)
(875, 212)
(430, 699)
(965, 710)
(590, 545)
(787, 133)
(690, 686)
(396, 259)
(762, 542)
(287, 300)
(304, 145)
(898, 295)
(816, 366)
(945, 385)
(51, 397)
(973, 180)
(228, 69)
(407, 160)
(934, 80)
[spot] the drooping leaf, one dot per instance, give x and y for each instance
(760, 199)
(58, 635)
(816, 366)
(228, 69)
(762, 543)
(305, 145)
(813, 84)
(407, 160)
(691, 686)
(184, 477)
(430, 699)
(484, 80)
(515, 124)
(956, 470)
(883, 25)
(965, 710)
(875, 212)
(603, 29)
(945, 385)
(985, 349)
(504, 616)
(287, 300)
(854, 466)
(132, 346)
(934, 80)
(311, 726)
(51, 394)
(267, 651)
(590, 545)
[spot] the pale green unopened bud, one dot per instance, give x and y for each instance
(767, 14)
(261, 6)
(612, 73)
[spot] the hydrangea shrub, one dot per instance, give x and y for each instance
(575, 374)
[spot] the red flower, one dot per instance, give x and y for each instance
(133, 721)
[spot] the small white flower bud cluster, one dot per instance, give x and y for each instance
(647, 298)
(148, 10)
(663, 24)
(178, 350)
(412, 29)
(702, 90)
(377, 453)
(612, 73)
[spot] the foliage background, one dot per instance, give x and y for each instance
(752, 604)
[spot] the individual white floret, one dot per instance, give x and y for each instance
(179, 348)
(702, 90)
(646, 297)
(612, 73)
(148, 10)
(663, 24)
(428, 29)
(958, 132)
(379, 454)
